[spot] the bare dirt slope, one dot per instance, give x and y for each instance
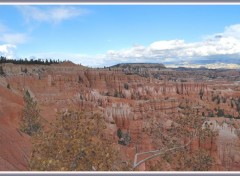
(14, 145)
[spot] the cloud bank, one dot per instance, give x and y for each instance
(221, 47)
(217, 50)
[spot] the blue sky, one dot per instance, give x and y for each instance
(102, 35)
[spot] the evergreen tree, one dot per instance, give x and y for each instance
(119, 133)
(30, 123)
(8, 86)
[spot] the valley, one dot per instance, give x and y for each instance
(155, 108)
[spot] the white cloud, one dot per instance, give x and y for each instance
(233, 30)
(7, 50)
(7, 36)
(166, 45)
(52, 15)
(13, 38)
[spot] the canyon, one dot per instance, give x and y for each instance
(130, 97)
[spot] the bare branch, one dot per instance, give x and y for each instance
(160, 152)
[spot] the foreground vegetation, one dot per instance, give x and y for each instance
(76, 142)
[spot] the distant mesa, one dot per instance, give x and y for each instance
(139, 65)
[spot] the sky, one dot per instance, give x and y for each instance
(104, 35)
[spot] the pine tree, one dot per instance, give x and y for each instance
(30, 123)
(8, 86)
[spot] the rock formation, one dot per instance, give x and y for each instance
(127, 100)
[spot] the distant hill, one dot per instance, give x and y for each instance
(67, 64)
(190, 69)
(139, 65)
(142, 69)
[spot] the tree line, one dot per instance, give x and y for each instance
(31, 61)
